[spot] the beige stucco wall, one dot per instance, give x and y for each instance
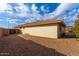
(42, 31)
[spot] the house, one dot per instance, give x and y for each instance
(1, 32)
(4, 32)
(46, 28)
(69, 32)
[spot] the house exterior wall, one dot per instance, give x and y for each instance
(42, 31)
(1, 32)
(6, 32)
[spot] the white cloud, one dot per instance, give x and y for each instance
(60, 11)
(27, 21)
(49, 16)
(21, 8)
(34, 8)
(62, 8)
(43, 9)
(57, 14)
(72, 12)
(21, 14)
(1, 19)
(12, 21)
(70, 17)
(78, 10)
(32, 15)
(5, 7)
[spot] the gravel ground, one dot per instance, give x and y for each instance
(26, 45)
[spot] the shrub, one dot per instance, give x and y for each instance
(76, 29)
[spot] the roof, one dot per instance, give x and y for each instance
(2, 28)
(41, 23)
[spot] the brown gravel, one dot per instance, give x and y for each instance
(26, 45)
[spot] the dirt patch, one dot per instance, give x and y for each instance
(23, 45)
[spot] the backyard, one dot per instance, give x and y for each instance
(26, 45)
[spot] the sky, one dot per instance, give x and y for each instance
(13, 14)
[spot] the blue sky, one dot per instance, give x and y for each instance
(13, 14)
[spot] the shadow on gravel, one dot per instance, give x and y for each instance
(18, 46)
